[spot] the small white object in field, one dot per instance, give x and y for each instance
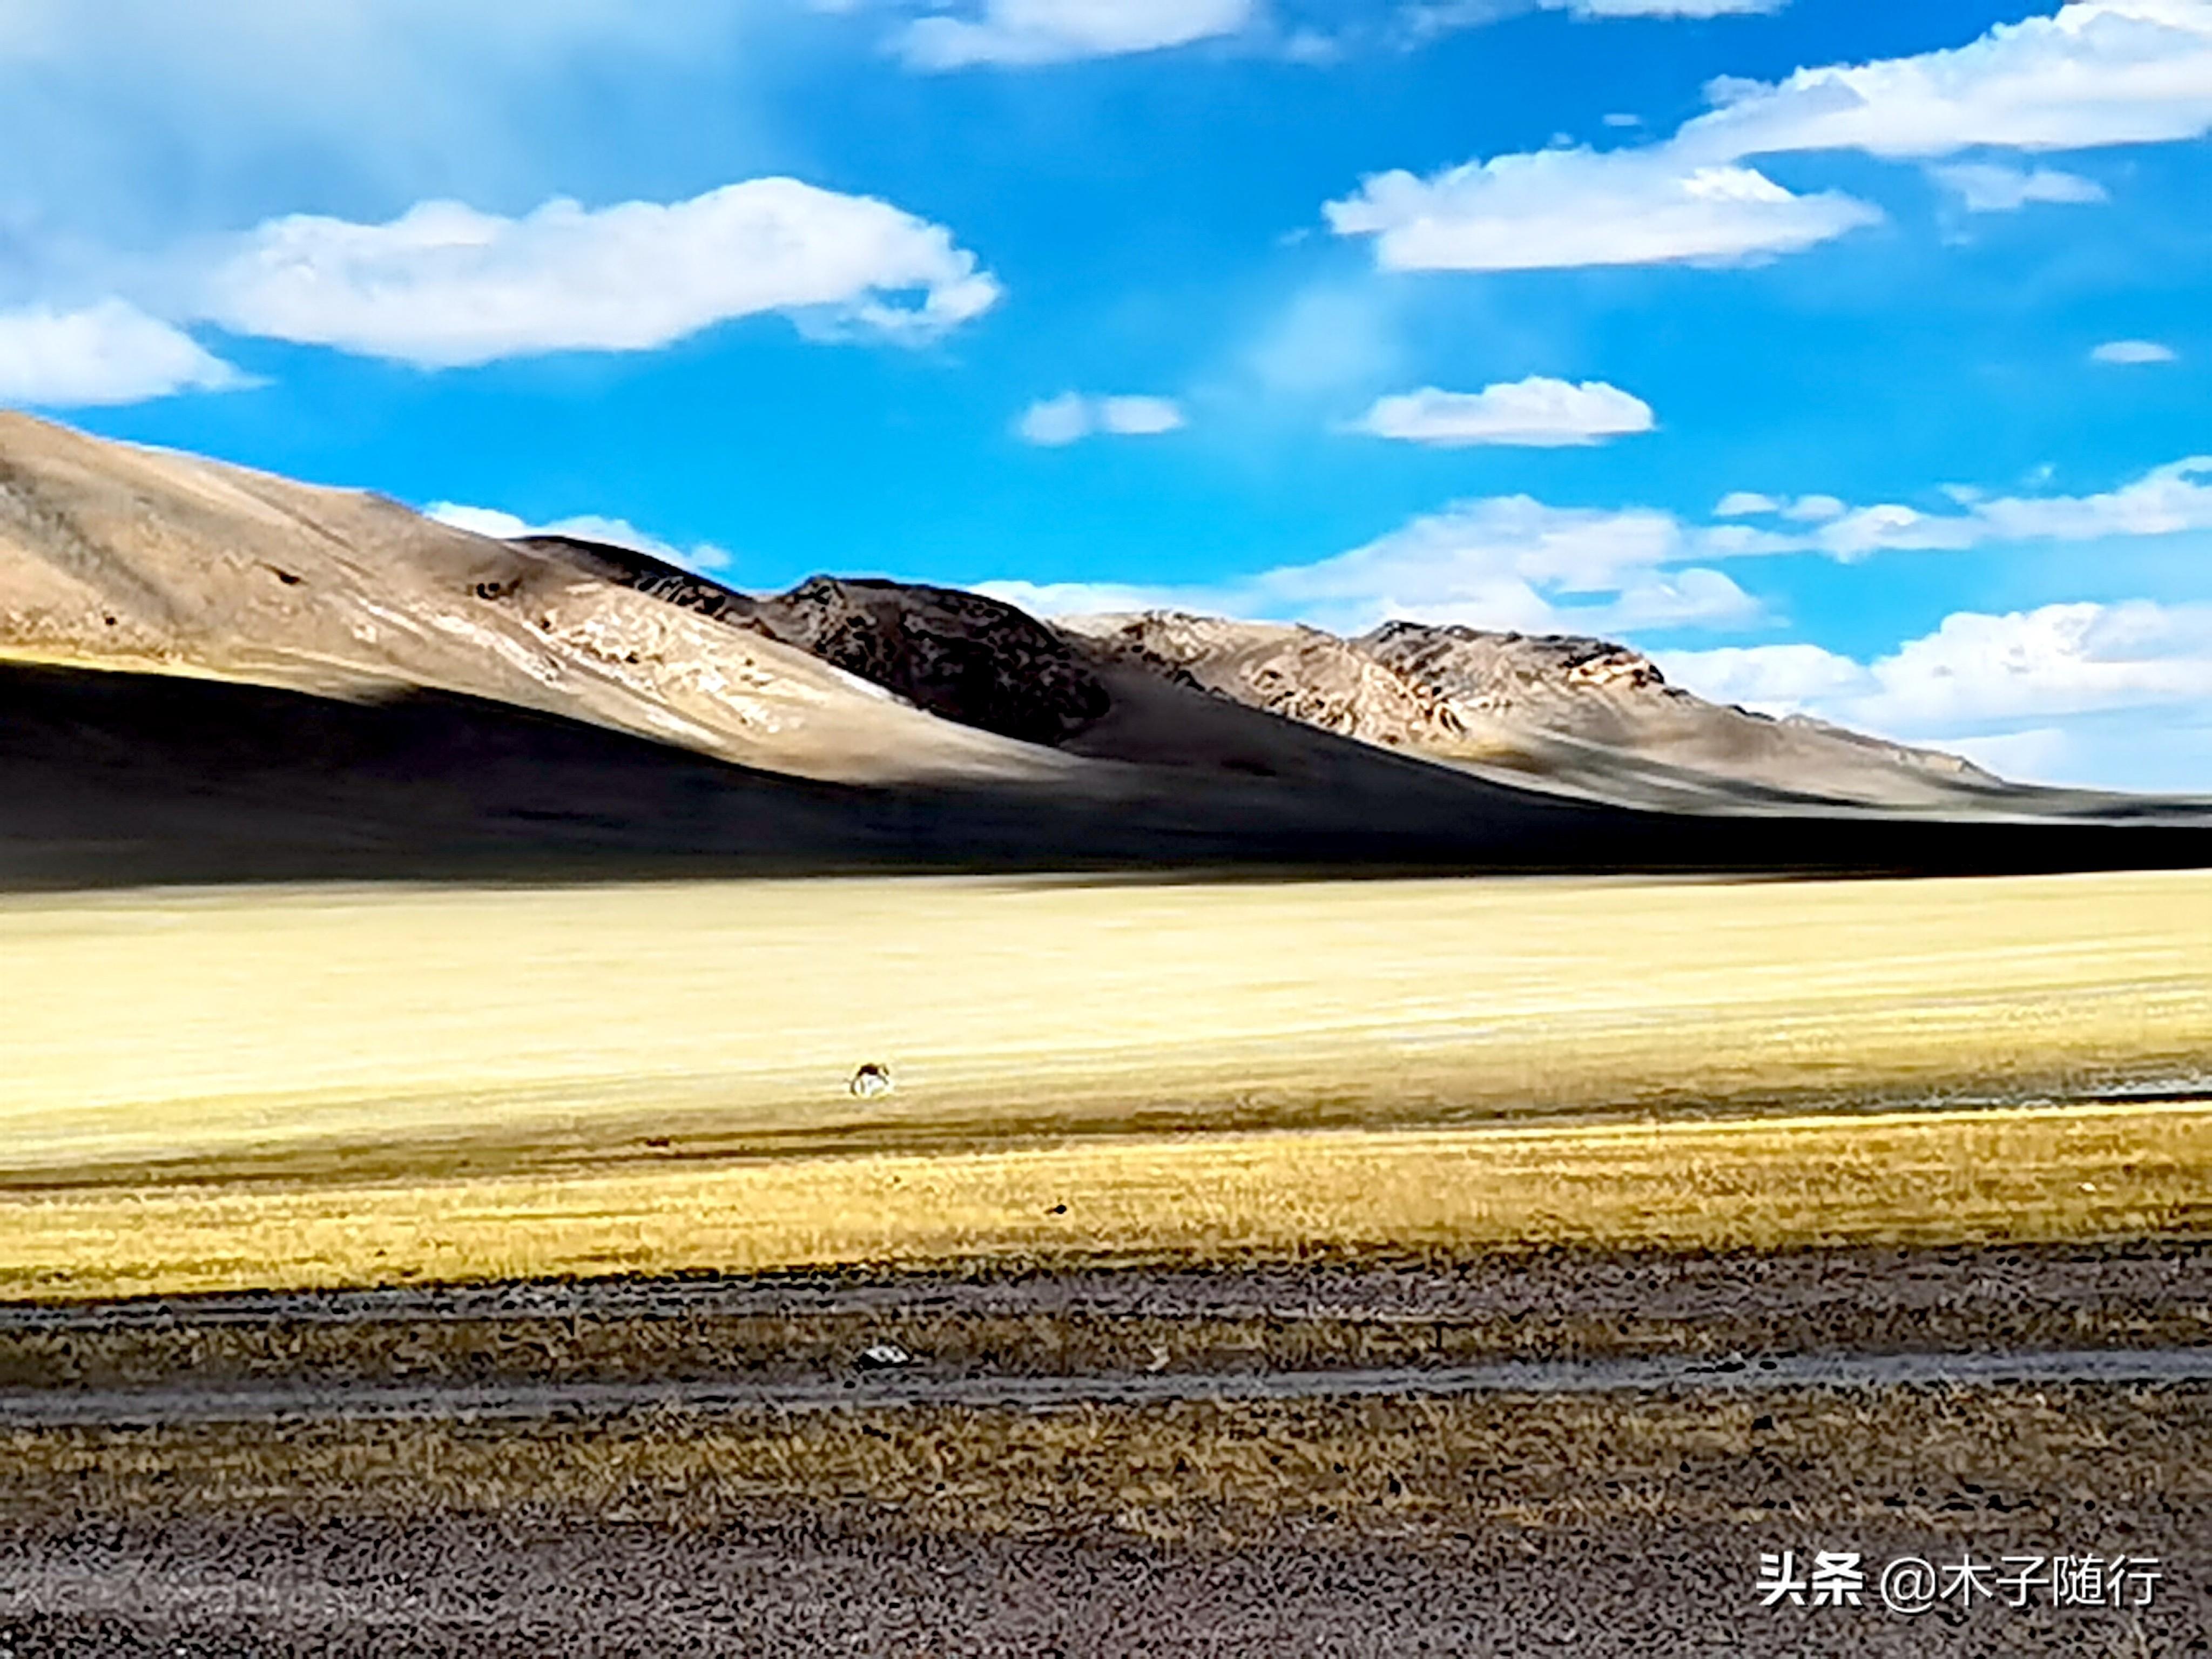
(884, 1355)
(871, 1080)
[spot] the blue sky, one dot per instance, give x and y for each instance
(1851, 357)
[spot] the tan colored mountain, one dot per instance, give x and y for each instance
(119, 556)
(1580, 716)
(208, 672)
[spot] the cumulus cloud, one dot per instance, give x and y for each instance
(1499, 561)
(2096, 73)
(1514, 562)
(1976, 670)
(445, 285)
(2099, 72)
(1074, 416)
(588, 526)
(1560, 207)
(1775, 679)
(1537, 412)
(108, 353)
(1987, 187)
(2164, 501)
(2132, 351)
(1027, 32)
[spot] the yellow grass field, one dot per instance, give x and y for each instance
(2005, 1175)
(234, 1088)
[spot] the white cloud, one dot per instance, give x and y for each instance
(1097, 599)
(445, 285)
(108, 353)
(2042, 754)
(1976, 670)
(1074, 416)
(2060, 660)
(2096, 73)
(1665, 8)
(2132, 351)
(1814, 509)
(588, 526)
(1806, 509)
(1775, 679)
(1423, 20)
(2164, 501)
(1503, 562)
(1559, 208)
(1056, 421)
(1514, 562)
(1026, 32)
(482, 520)
(1537, 412)
(1986, 187)
(1139, 417)
(1744, 504)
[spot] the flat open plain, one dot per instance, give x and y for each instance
(1350, 1268)
(236, 1088)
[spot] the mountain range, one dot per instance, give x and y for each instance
(211, 673)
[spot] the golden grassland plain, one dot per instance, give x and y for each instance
(236, 1088)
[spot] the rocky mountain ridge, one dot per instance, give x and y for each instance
(209, 672)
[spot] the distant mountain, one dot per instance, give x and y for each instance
(1585, 716)
(211, 673)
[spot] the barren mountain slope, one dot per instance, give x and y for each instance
(1581, 716)
(207, 673)
(1587, 694)
(981, 662)
(957, 654)
(116, 556)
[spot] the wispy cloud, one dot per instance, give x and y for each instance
(1021, 32)
(1074, 415)
(1988, 187)
(2132, 351)
(1537, 412)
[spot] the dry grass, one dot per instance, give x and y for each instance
(1410, 1471)
(2016, 1174)
(315, 1087)
(427, 1030)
